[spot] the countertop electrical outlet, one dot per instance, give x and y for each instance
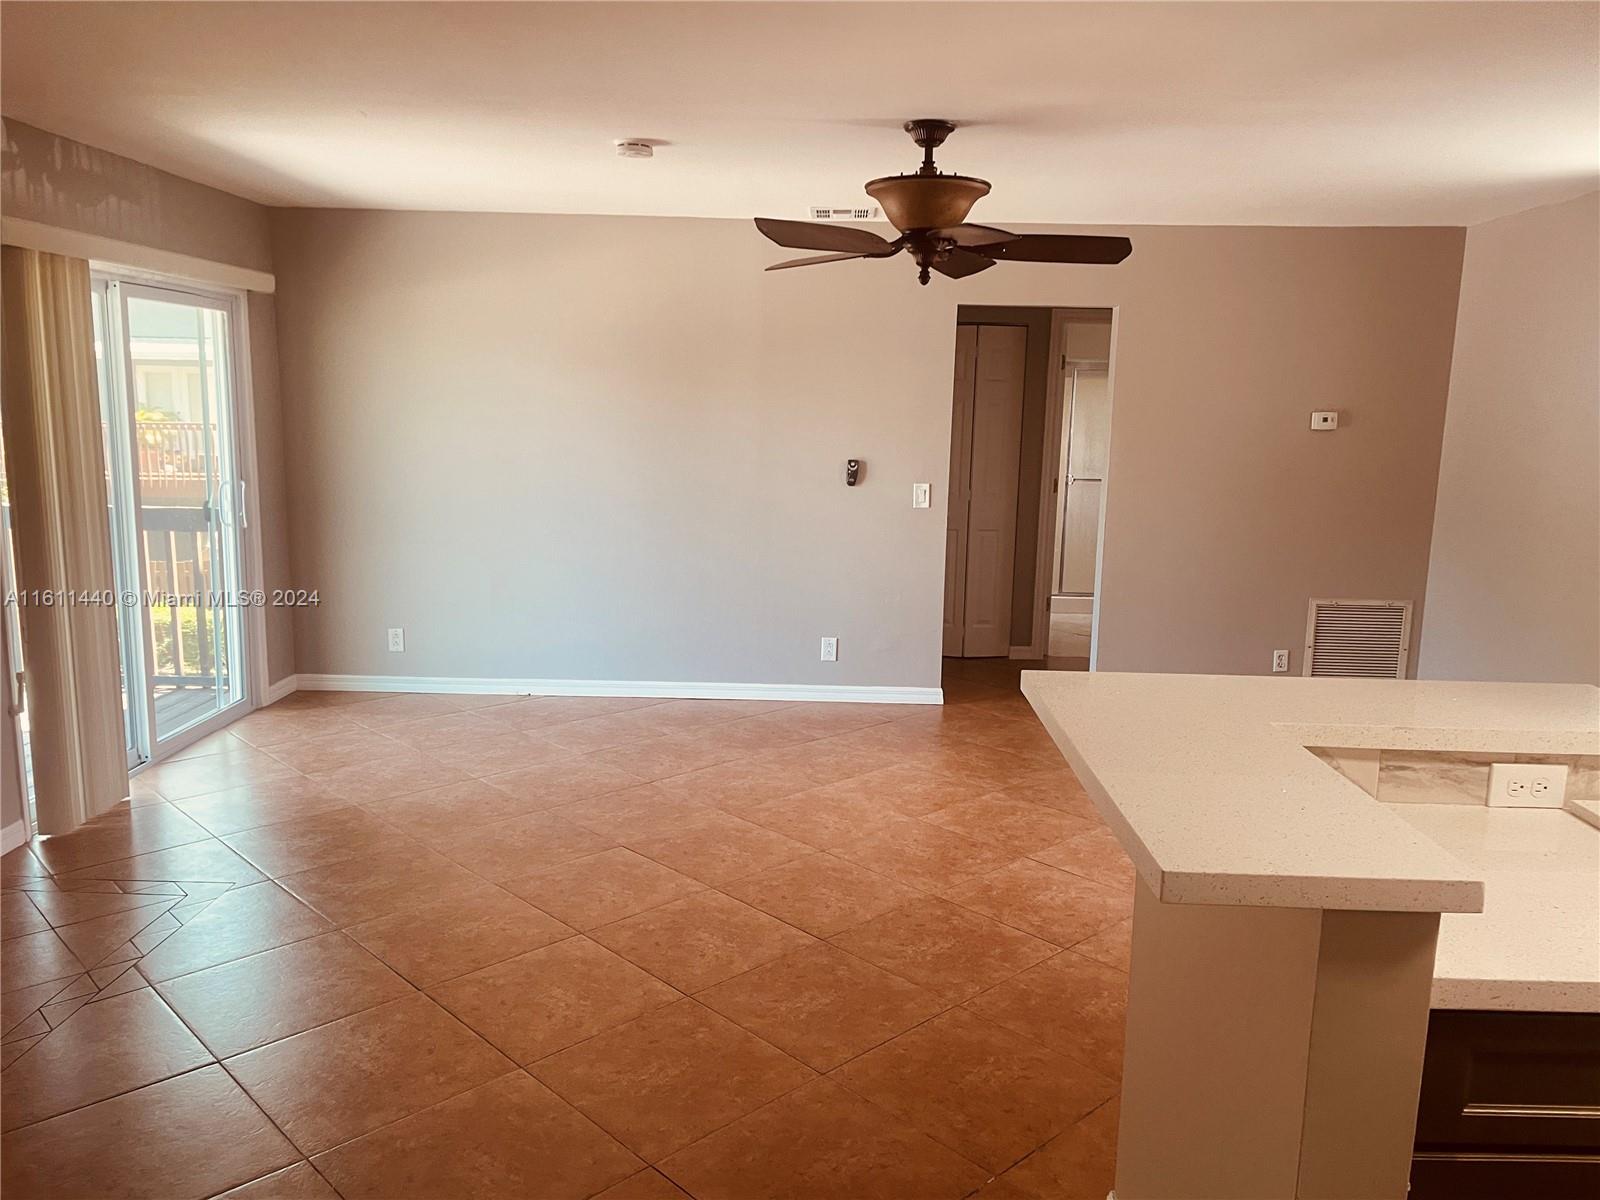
(1527, 785)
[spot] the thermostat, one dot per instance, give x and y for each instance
(1324, 420)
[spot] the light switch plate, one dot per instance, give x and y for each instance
(1527, 785)
(921, 495)
(1325, 420)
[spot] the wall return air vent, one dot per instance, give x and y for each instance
(868, 212)
(1360, 639)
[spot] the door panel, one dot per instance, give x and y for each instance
(121, 505)
(1091, 423)
(1083, 480)
(955, 544)
(992, 509)
(1080, 534)
(180, 385)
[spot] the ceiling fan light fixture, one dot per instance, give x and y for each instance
(930, 210)
(927, 201)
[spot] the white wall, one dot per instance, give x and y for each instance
(1514, 575)
(612, 448)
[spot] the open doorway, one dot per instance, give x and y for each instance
(1029, 441)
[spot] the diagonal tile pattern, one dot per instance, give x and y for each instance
(417, 945)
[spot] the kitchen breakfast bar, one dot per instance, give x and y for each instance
(1325, 900)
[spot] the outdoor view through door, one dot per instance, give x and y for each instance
(167, 388)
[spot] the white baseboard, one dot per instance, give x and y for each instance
(12, 836)
(619, 687)
(277, 691)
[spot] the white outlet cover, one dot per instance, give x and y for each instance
(830, 649)
(1527, 785)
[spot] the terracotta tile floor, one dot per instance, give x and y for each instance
(483, 946)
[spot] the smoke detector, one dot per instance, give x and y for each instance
(634, 148)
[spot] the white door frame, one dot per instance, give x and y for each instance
(132, 636)
(953, 639)
(252, 618)
(1050, 471)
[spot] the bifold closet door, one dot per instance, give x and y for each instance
(986, 445)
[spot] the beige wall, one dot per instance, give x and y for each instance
(59, 182)
(596, 447)
(276, 567)
(1514, 580)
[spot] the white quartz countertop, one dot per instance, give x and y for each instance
(1536, 944)
(1206, 781)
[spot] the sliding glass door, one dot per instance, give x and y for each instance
(168, 372)
(121, 509)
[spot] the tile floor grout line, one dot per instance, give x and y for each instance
(308, 1155)
(216, 1061)
(812, 1072)
(320, 1024)
(845, 1083)
(115, 1095)
(515, 1070)
(270, 1120)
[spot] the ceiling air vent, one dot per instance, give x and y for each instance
(1362, 639)
(869, 212)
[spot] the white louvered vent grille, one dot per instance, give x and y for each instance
(864, 213)
(1362, 639)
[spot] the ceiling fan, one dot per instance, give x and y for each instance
(930, 208)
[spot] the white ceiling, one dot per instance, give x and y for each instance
(1190, 113)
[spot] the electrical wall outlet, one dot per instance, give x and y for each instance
(830, 649)
(397, 639)
(1280, 661)
(1527, 785)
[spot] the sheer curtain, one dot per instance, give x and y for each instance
(61, 538)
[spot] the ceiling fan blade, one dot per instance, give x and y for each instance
(962, 263)
(1060, 248)
(968, 234)
(819, 258)
(806, 235)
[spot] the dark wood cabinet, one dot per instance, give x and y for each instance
(1510, 1107)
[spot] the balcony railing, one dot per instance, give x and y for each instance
(174, 460)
